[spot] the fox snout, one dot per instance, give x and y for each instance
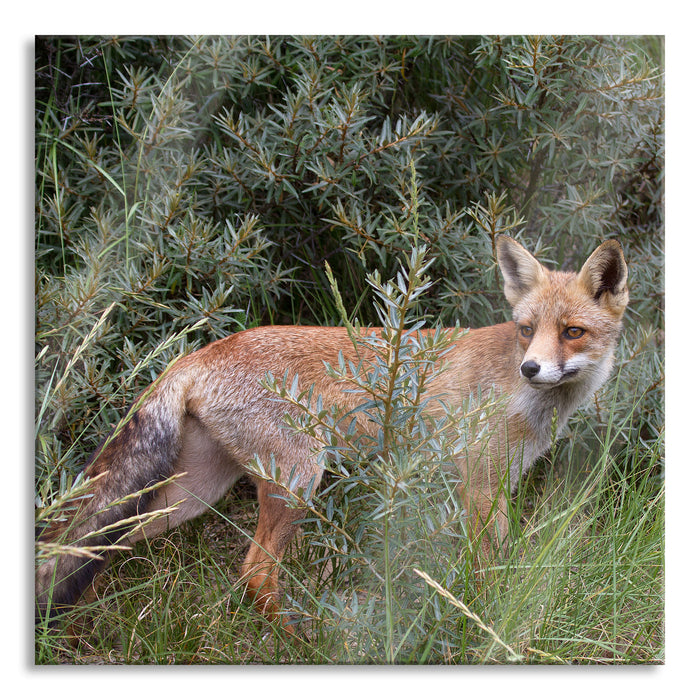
(529, 369)
(546, 375)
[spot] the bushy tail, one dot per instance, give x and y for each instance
(140, 453)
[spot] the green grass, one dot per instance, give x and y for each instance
(583, 582)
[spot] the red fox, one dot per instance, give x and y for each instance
(209, 417)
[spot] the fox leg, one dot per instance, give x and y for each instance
(487, 521)
(205, 472)
(275, 530)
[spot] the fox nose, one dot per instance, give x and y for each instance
(529, 369)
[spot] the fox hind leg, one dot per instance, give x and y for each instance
(205, 473)
(275, 530)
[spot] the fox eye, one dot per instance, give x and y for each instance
(573, 332)
(526, 331)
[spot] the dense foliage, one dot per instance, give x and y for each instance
(190, 187)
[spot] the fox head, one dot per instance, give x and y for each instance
(567, 323)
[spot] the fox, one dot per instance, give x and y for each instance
(209, 417)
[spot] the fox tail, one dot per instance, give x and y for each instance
(139, 454)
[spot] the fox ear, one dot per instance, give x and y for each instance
(604, 276)
(520, 269)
